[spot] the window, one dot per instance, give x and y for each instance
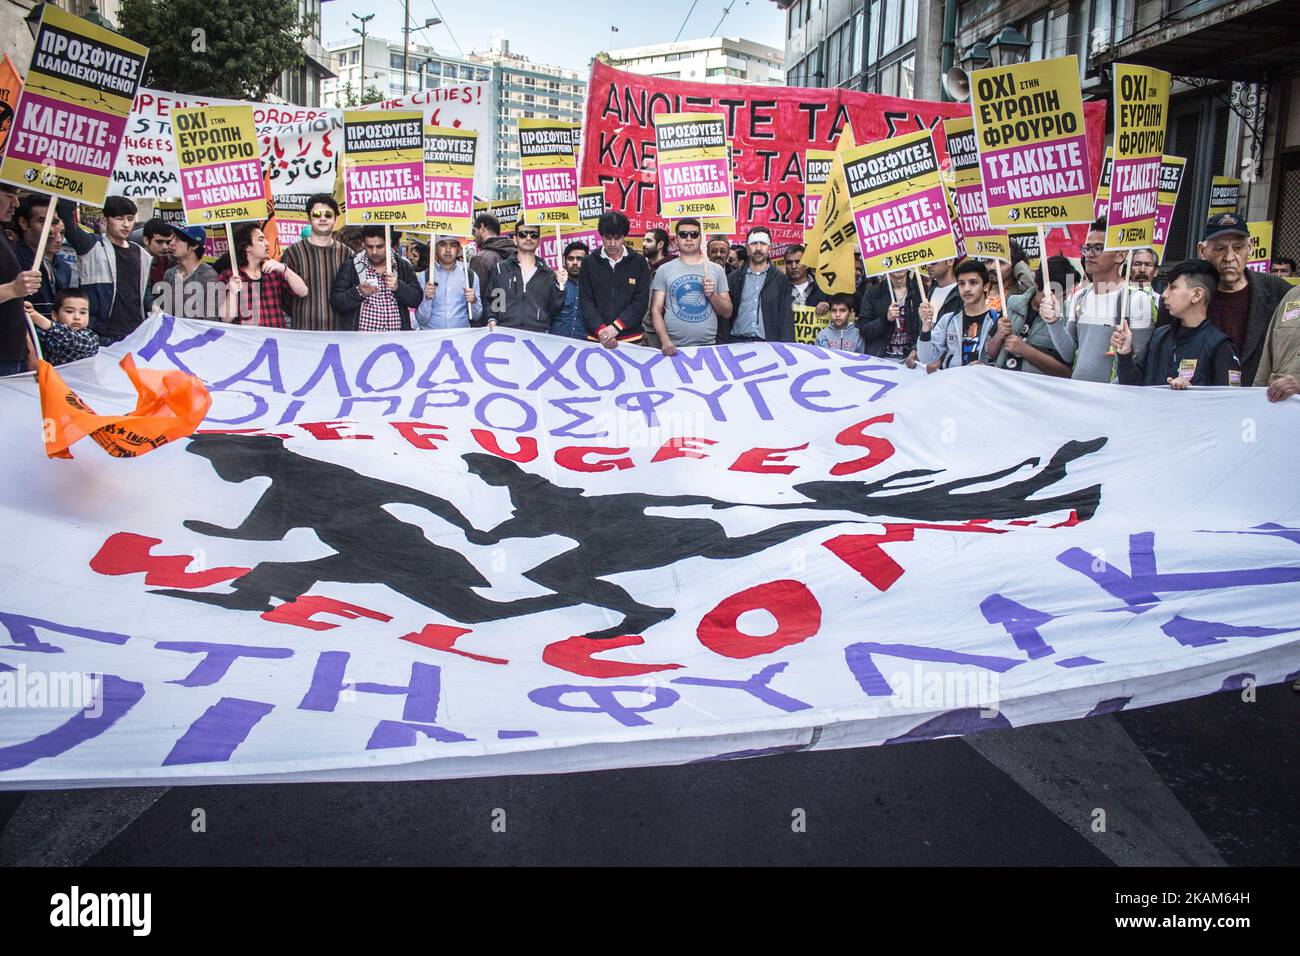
(481, 75)
(893, 20)
(466, 73)
(909, 20)
(889, 80)
(1037, 33)
(858, 40)
(395, 61)
(906, 76)
(873, 50)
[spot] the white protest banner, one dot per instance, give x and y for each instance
(300, 144)
(736, 550)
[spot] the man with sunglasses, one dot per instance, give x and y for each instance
(318, 259)
(688, 295)
(1082, 335)
(523, 292)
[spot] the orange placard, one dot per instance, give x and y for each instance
(171, 405)
(11, 84)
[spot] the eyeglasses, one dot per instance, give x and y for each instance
(1094, 248)
(688, 235)
(528, 234)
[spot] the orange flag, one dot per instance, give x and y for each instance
(170, 405)
(11, 84)
(269, 228)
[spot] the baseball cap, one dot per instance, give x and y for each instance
(194, 235)
(1227, 224)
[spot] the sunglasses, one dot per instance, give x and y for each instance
(528, 234)
(322, 215)
(688, 235)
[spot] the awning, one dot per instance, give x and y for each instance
(1247, 40)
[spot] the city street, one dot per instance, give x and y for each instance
(1205, 782)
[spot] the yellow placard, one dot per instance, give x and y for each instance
(1225, 195)
(900, 208)
(449, 180)
(1171, 182)
(70, 121)
(806, 325)
(548, 172)
(829, 250)
(220, 165)
(693, 165)
(1032, 144)
(383, 167)
(1026, 237)
(1261, 247)
(817, 165)
(970, 217)
(1141, 115)
(1101, 202)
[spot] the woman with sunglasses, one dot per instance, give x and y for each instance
(317, 259)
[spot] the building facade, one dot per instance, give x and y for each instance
(522, 89)
(426, 68)
(302, 85)
(710, 60)
(1234, 107)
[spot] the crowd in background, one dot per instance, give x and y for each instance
(1108, 316)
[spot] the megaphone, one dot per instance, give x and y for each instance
(956, 83)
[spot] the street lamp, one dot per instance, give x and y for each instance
(33, 18)
(1009, 47)
(977, 57)
(406, 39)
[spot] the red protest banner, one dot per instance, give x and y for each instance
(769, 129)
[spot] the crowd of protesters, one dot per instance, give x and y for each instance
(1211, 322)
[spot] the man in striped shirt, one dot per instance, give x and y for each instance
(317, 259)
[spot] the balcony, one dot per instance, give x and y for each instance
(1244, 40)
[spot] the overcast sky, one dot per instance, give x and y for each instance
(558, 32)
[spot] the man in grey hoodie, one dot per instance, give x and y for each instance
(492, 246)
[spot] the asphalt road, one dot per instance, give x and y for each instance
(1211, 782)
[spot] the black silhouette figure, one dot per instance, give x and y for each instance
(346, 511)
(614, 534)
(921, 501)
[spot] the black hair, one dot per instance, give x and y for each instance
(661, 237)
(795, 247)
(31, 202)
(1279, 260)
(421, 256)
(158, 227)
(1098, 226)
(115, 206)
(968, 266)
(322, 199)
(1017, 252)
(741, 252)
(575, 245)
(489, 222)
(1197, 272)
(842, 298)
(244, 239)
(613, 225)
(688, 221)
(372, 232)
(72, 292)
(1061, 273)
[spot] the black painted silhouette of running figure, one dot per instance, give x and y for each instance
(921, 501)
(346, 510)
(613, 534)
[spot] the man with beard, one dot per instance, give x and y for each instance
(803, 282)
(492, 246)
(763, 301)
(376, 291)
(568, 321)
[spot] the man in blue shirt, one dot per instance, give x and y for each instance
(448, 302)
(569, 321)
